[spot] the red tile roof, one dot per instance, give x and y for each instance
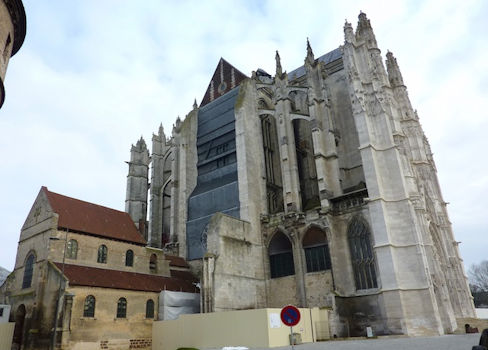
(90, 218)
(225, 78)
(176, 261)
(104, 278)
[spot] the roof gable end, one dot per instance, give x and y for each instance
(225, 78)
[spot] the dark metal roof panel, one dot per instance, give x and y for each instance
(327, 58)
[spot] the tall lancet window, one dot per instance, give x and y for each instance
(28, 271)
(362, 257)
(309, 189)
(274, 189)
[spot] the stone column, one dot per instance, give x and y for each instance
(289, 165)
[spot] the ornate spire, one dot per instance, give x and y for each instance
(279, 70)
(195, 106)
(394, 74)
(141, 144)
(363, 21)
(310, 57)
(161, 129)
(365, 31)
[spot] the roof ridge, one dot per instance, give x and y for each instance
(80, 200)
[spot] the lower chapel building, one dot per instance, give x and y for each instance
(315, 187)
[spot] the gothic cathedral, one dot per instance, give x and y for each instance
(315, 187)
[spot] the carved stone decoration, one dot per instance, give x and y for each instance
(203, 238)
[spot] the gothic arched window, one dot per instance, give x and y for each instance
(280, 256)
(122, 308)
(129, 258)
(72, 249)
(28, 271)
(362, 257)
(316, 250)
(149, 308)
(274, 189)
(89, 306)
(102, 254)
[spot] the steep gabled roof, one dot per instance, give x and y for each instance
(84, 217)
(225, 78)
(104, 278)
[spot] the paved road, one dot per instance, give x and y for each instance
(445, 342)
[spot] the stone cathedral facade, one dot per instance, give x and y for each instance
(315, 187)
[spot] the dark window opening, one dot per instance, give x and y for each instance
(129, 258)
(89, 306)
(153, 260)
(316, 249)
(150, 309)
(362, 257)
(102, 254)
(317, 258)
(274, 191)
(307, 173)
(122, 308)
(28, 271)
(281, 256)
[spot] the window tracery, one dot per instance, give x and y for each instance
(28, 271)
(362, 257)
(102, 254)
(89, 306)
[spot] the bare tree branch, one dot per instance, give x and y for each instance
(478, 275)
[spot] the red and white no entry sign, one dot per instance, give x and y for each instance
(290, 315)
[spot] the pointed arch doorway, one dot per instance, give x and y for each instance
(18, 337)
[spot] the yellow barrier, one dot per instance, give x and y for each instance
(250, 328)
(6, 334)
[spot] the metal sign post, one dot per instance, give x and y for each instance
(292, 339)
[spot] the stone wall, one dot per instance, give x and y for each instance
(238, 280)
(105, 326)
(88, 252)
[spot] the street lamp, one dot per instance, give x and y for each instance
(55, 323)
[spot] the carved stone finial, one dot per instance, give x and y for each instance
(363, 22)
(394, 74)
(279, 70)
(310, 57)
(348, 32)
(161, 129)
(195, 106)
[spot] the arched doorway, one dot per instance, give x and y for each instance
(19, 328)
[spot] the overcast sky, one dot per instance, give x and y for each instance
(93, 76)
